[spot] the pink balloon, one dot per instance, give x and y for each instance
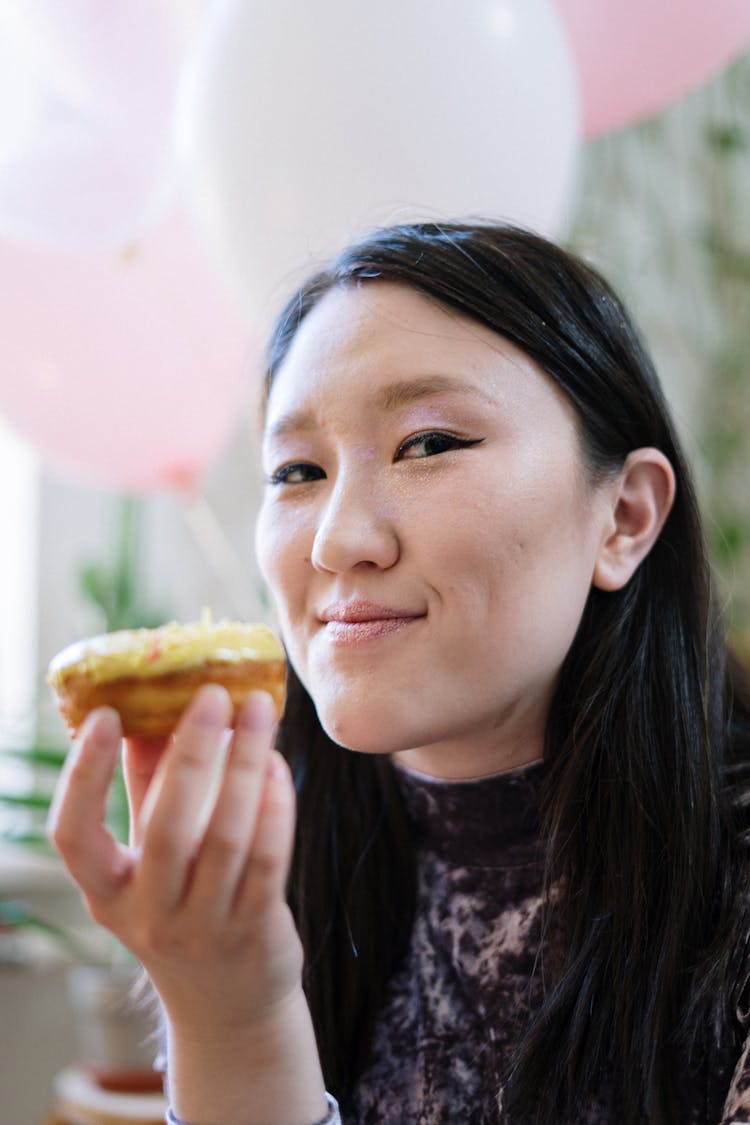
(92, 162)
(126, 370)
(636, 56)
(78, 187)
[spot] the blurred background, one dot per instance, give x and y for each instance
(168, 169)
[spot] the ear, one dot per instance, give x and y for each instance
(641, 500)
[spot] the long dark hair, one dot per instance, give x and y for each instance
(646, 744)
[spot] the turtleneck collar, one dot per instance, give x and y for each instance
(488, 822)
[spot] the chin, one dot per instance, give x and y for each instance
(362, 733)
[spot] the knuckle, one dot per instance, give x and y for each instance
(190, 761)
(160, 841)
(84, 773)
(245, 765)
(153, 938)
(276, 809)
(64, 837)
(159, 837)
(264, 866)
(221, 844)
(98, 911)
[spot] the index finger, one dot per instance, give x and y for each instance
(170, 814)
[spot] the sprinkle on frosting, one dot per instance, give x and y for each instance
(170, 648)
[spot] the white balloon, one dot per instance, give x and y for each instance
(20, 98)
(299, 124)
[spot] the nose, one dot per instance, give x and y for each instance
(355, 528)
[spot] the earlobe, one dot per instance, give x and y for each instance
(641, 499)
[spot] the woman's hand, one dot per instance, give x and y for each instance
(202, 908)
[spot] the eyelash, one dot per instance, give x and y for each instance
(451, 442)
(282, 475)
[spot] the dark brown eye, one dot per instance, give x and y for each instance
(431, 444)
(300, 472)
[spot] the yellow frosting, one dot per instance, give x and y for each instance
(170, 648)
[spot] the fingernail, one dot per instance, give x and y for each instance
(276, 767)
(101, 726)
(257, 712)
(211, 706)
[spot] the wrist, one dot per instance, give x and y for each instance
(332, 1117)
(233, 1073)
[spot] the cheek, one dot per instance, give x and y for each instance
(265, 546)
(280, 549)
(528, 556)
(281, 558)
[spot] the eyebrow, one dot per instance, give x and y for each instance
(404, 392)
(394, 396)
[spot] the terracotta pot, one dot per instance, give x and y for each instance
(116, 1032)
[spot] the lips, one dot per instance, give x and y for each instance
(356, 612)
(353, 622)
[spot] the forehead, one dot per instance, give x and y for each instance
(377, 343)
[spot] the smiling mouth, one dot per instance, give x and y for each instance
(356, 632)
(356, 623)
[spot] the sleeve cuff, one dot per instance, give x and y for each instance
(332, 1117)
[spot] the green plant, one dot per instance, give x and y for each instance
(32, 803)
(15, 915)
(663, 211)
(115, 590)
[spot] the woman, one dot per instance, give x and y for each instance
(522, 897)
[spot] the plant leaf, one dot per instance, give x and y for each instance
(52, 756)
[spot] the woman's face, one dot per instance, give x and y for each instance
(428, 531)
